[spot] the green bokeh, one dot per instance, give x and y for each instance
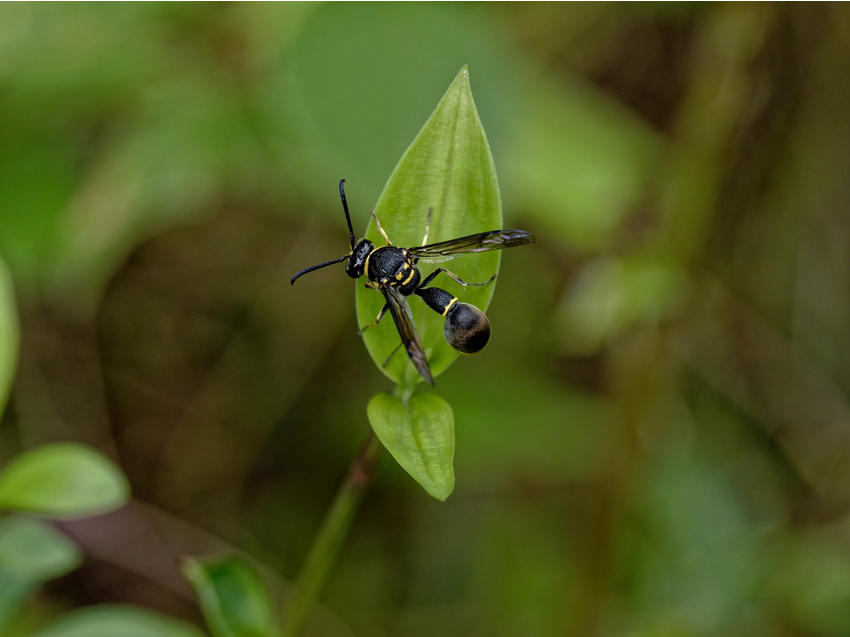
(655, 442)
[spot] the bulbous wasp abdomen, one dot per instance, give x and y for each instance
(467, 328)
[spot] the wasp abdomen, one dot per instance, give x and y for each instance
(467, 328)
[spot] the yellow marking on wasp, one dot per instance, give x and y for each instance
(449, 305)
(409, 276)
(366, 264)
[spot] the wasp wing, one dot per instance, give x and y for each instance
(403, 318)
(481, 242)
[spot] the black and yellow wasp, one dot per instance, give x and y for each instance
(393, 271)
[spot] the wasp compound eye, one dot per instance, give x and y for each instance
(467, 328)
(357, 261)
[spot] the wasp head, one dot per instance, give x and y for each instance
(356, 264)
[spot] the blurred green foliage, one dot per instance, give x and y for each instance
(235, 601)
(657, 439)
(63, 480)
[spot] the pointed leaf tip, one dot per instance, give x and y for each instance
(448, 168)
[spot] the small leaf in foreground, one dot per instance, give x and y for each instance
(420, 436)
(31, 552)
(62, 480)
(234, 598)
(117, 621)
(8, 334)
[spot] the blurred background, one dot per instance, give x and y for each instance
(657, 439)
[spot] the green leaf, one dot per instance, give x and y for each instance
(8, 334)
(31, 552)
(117, 621)
(449, 168)
(34, 550)
(235, 600)
(62, 480)
(419, 433)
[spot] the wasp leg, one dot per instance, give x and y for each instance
(377, 320)
(427, 225)
(393, 353)
(457, 279)
(380, 229)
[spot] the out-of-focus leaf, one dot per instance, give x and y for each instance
(419, 434)
(166, 166)
(34, 550)
(108, 137)
(449, 168)
(8, 334)
(77, 67)
(235, 600)
(62, 480)
(611, 295)
(35, 186)
(695, 557)
(810, 579)
(31, 552)
(579, 161)
(345, 106)
(513, 423)
(117, 621)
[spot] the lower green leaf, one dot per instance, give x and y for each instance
(9, 334)
(117, 621)
(31, 552)
(420, 434)
(62, 480)
(235, 600)
(34, 550)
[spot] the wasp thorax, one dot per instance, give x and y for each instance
(467, 328)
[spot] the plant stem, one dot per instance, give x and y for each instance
(332, 533)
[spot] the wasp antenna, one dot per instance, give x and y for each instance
(347, 216)
(317, 267)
